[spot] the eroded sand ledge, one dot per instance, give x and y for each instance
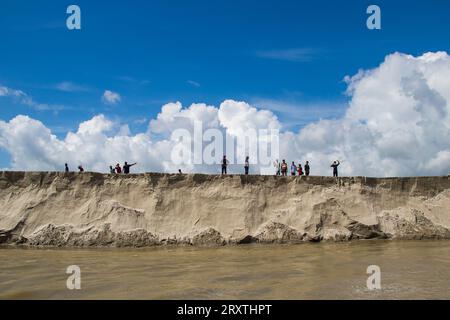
(93, 209)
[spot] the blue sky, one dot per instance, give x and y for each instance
(273, 54)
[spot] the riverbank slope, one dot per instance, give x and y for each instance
(93, 209)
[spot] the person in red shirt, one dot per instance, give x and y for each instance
(118, 168)
(300, 169)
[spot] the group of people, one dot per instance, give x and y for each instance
(66, 168)
(118, 170)
(225, 163)
(113, 170)
(281, 168)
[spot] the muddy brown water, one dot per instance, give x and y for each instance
(409, 270)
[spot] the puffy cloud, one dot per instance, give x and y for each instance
(397, 123)
(97, 124)
(96, 144)
(237, 116)
(30, 144)
(173, 116)
(110, 97)
(100, 142)
(229, 120)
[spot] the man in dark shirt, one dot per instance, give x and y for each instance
(335, 166)
(224, 165)
(307, 168)
(126, 167)
(66, 167)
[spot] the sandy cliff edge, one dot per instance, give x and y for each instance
(93, 209)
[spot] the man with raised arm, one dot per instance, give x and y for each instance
(126, 167)
(335, 166)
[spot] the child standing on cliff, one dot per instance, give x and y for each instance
(246, 165)
(300, 170)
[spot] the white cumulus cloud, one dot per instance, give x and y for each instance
(396, 124)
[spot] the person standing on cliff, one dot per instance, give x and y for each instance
(307, 168)
(80, 168)
(224, 165)
(118, 168)
(126, 167)
(277, 166)
(246, 165)
(300, 170)
(293, 168)
(112, 170)
(284, 168)
(66, 167)
(335, 166)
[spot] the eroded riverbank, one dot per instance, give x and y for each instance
(93, 209)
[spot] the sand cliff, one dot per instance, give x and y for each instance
(93, 209)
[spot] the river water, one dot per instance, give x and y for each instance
(409, 270)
